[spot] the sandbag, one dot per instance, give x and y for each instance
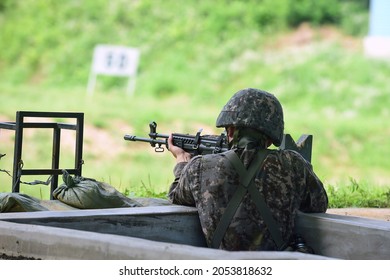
(87, 193)
(17, 202)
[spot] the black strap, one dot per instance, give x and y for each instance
(227, 217)
(247, 184)
(269, 220)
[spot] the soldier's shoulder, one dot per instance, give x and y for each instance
(289, 155)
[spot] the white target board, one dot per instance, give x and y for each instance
(113, 60)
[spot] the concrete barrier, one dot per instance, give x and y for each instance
(173, 232)
(346, 237)
(174, 224)
(51, 243)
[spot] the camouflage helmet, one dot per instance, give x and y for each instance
(256, 109)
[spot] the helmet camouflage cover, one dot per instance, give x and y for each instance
(256, 109)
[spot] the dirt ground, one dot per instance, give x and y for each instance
(371, 213)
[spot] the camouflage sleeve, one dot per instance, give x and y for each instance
(186, 180)
(314, 198)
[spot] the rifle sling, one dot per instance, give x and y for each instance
(247, 184)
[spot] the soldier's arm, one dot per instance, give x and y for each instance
(185, 182)
(315, 198)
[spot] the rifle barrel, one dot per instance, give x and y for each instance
(142, 139)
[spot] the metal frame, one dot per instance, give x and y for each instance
(20, 125)
(302, 146)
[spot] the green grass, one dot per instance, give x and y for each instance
(358, 195)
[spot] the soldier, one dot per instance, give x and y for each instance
(253, 120)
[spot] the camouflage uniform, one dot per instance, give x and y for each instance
(287, 183)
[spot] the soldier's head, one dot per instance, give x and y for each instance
(256, 110)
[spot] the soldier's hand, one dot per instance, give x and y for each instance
(177, 152)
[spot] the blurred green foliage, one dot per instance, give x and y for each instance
(317, 12)
(50, 42)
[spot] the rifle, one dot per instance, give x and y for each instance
(194, 144)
